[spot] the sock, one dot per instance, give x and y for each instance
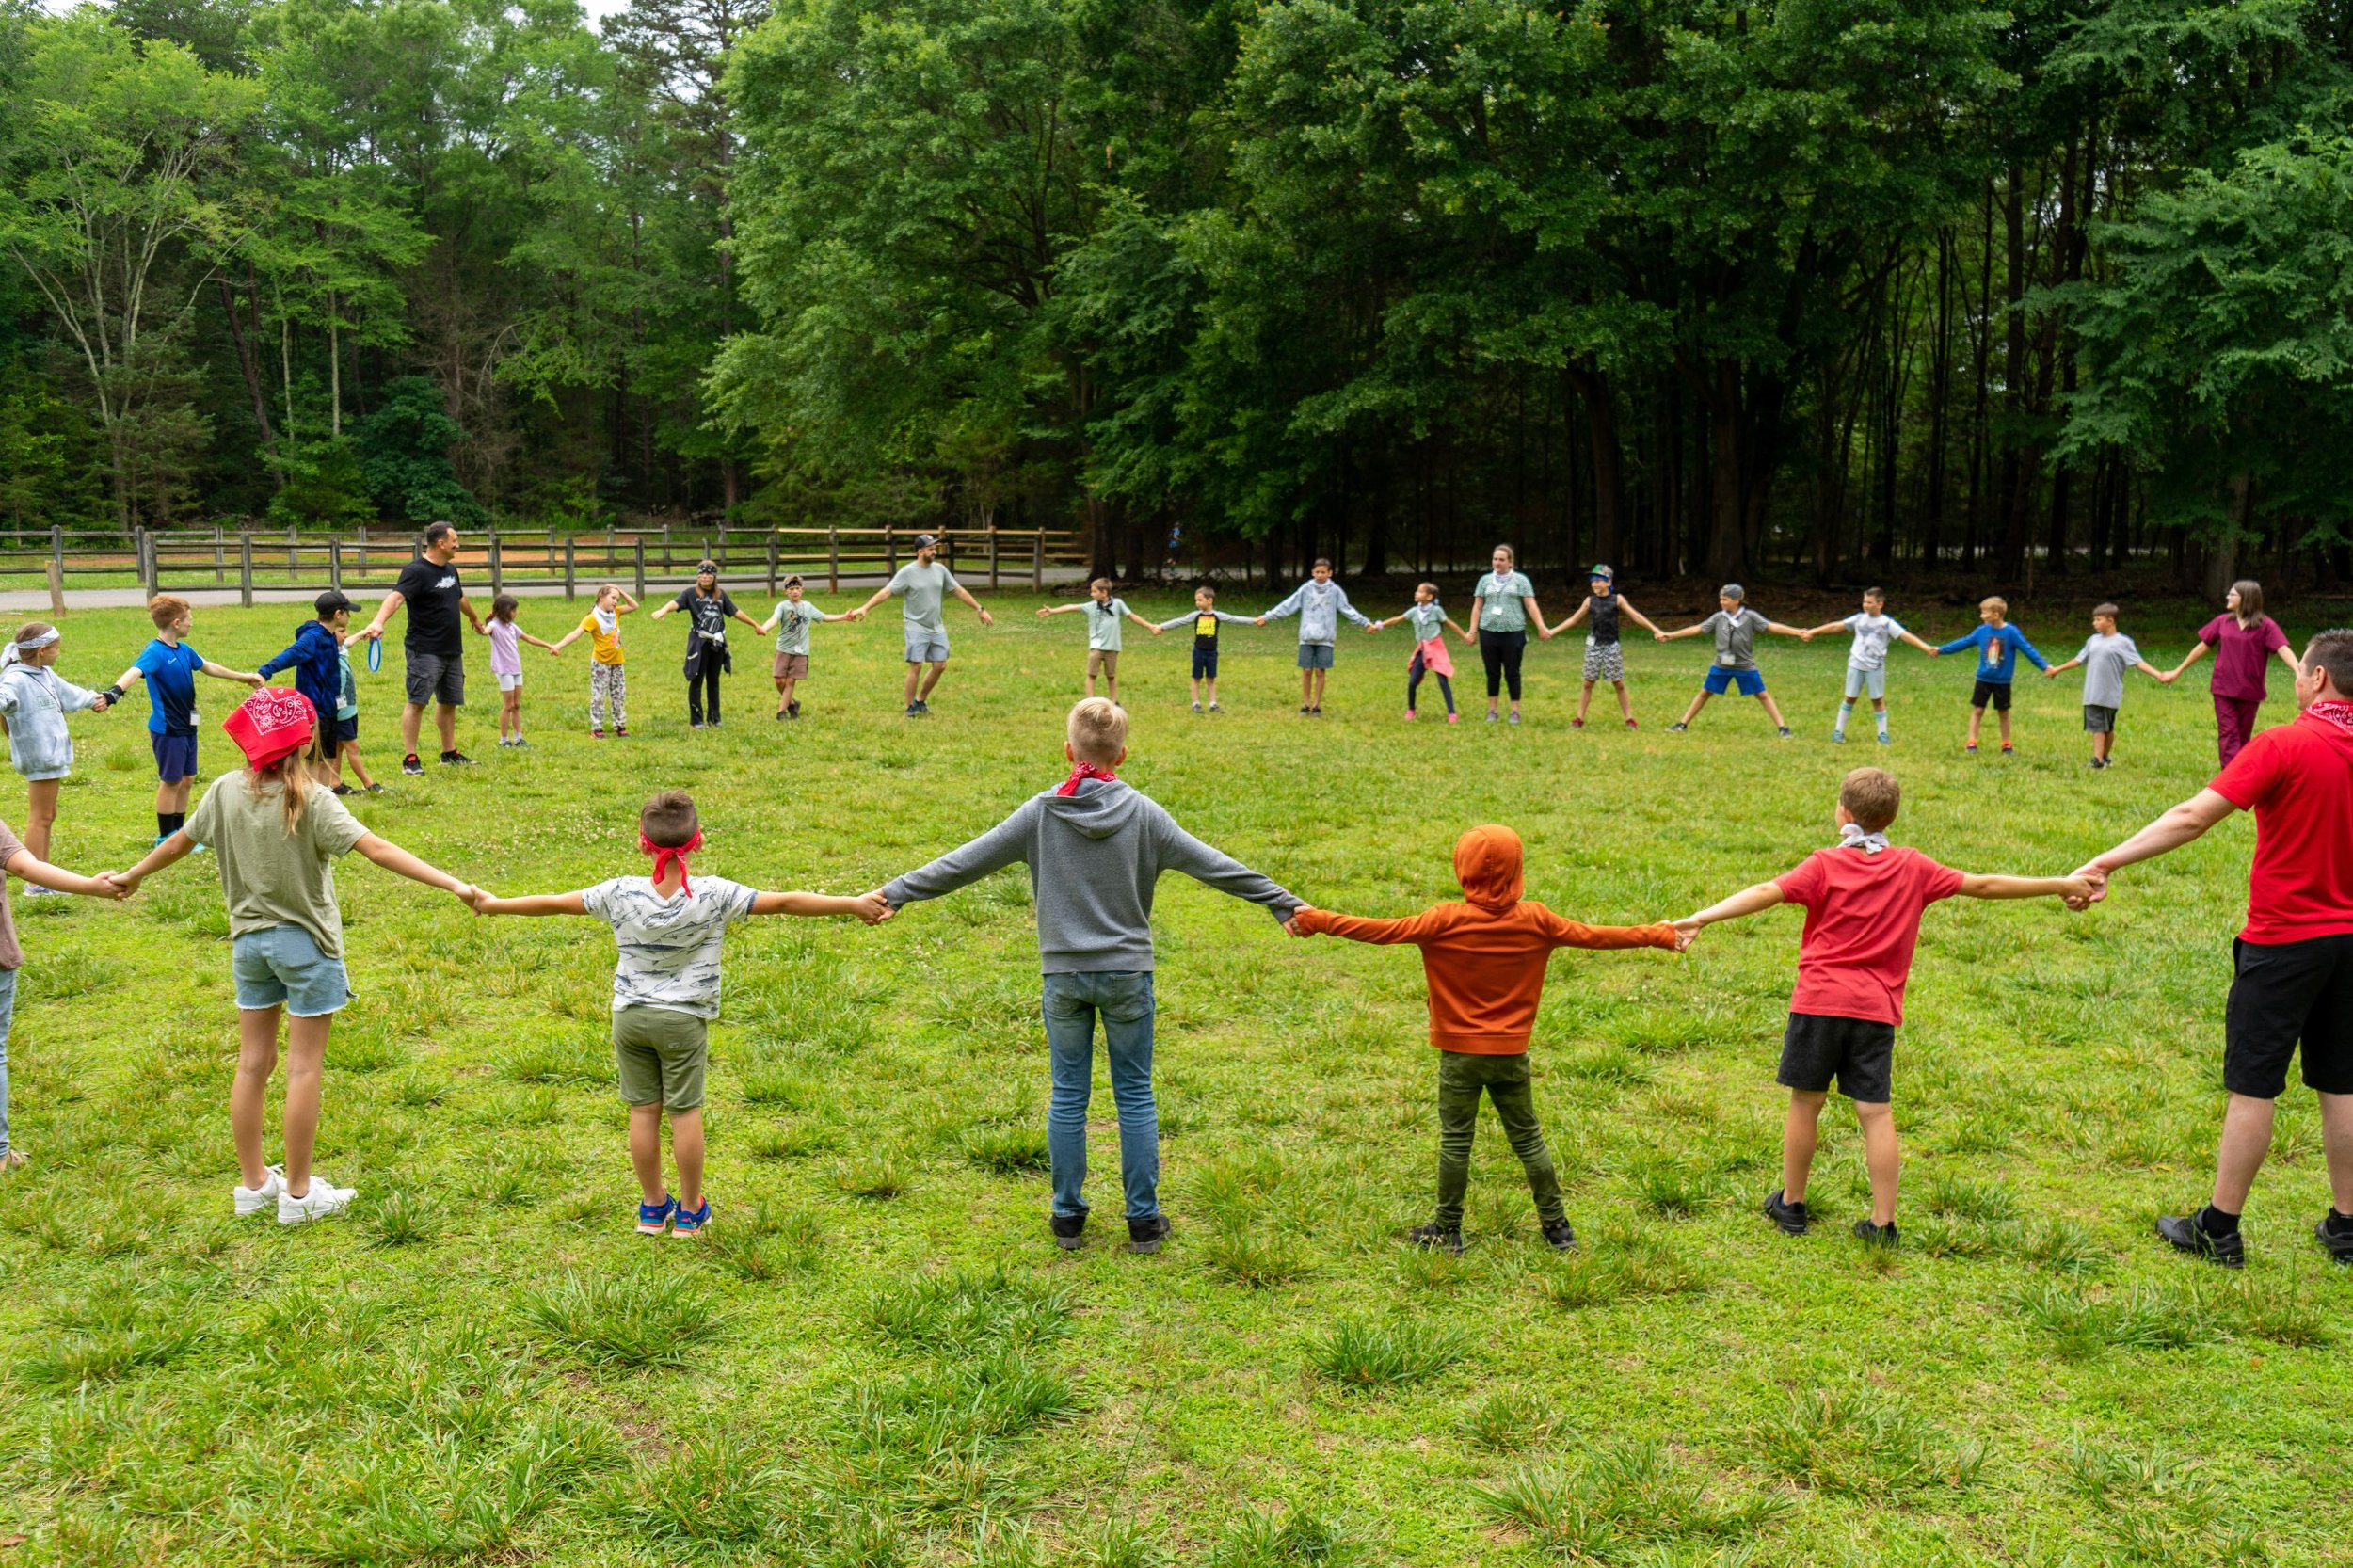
(163, 825)
(1879, 717)
(1846, 711)
(2340, 1224)
(2215, 1223)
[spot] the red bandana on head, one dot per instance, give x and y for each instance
(273, 722)
(2338, 714)
(1084, 772)
(667, 855)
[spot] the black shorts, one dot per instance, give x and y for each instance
(1205, 662)
(2099, 720)
(346, 730)
(1856, 1052)
(2285, 992)
(1992, 694)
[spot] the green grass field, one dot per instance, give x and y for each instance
(878, 1357)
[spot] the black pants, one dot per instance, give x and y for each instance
(702, 691)
(1414, 672)
(1500, 652)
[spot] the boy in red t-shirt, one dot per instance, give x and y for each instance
(1862, 905)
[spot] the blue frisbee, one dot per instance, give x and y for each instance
(375, 654)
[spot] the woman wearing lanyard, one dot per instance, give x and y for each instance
(1502, 606)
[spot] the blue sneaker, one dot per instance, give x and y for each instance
(654, 1218)
(686, 1222)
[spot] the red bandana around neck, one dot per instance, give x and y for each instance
(667, 855)
(1081, 774)
(2338, 714)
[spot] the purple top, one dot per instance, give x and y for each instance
(2242, 654)
(505, 656)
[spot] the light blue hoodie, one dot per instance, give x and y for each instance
(1318, 607)
(35, 702)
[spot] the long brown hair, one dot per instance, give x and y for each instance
(286, 774)
(2250, 600)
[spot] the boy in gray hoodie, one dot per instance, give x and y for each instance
(1094, 848)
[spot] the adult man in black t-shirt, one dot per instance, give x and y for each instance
(435, 645)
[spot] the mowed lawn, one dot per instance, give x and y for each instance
(878, 1357)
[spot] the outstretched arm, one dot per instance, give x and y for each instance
(399, 861)
(2178, 826)
(994, 850)
(375, 628)
(222, 672)
(176, 847)
(1921, 642)
(2050, 671)
(2197, 650)
(966, 594)
(2076, 890)
(567, 640)
(870, 908)
(1582, 611)
(748, 621)
(41, 873)
(1045, 610)
(2288, 656)
(1179, 851)
(1681, 632)
(1630, 613)
(1305, 922)
(533, 904)
(1779, 629)
(664, 608)
(1749, 901)
(535, 642)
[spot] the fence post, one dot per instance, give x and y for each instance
(364, 549)
(57, 549)
(245, 568)
(833, 558)
(665, 550)
(153, 574)
(220, 564)
(498, 566)
(992, 557)
(772, 563)
(335, 564)
(890, 549)
(1037, 562)
(57, 591)
(641, 566)
(569, 564)
(294, 562)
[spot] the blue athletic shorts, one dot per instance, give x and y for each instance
(1752, 683)
(1204, 662)
(175, 756)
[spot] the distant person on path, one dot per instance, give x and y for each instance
(2107, 655)
(1484, 960)
(170, 667)
(1428, 657)
(1734, 627)
(34, 701)
(1104, 612)
(1503, 605)
(1205, 619)
(506, 664)
(276, 834)
(608, 661)
(1999, 645)
(1319, 603)
(1095, 848)
(1862, 901)
(1605, 656)
(434, 646)
(1867, 659)
(318, 662)
(2293, 959)
(670, 932)
(924, 585)
(2243, 641)
(709, 609)
(791, 621)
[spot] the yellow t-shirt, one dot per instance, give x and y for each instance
(607, 644)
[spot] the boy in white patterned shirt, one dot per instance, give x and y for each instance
(665, 991)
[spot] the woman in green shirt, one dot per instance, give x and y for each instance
(1503, 607)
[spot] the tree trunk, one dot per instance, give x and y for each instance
(2223, 561)
(2016, 481)
(1602, 440)
(252, 370)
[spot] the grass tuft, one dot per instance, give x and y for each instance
(629, 1320)
(1358, 1354)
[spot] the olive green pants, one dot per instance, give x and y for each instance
(1504, 1079)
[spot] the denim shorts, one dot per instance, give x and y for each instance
(175, 756)
(926, 648)
(283, 966)
(1315, 656)
(1752, 683)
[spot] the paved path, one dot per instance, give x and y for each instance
(34, 600)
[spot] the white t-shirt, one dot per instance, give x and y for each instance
(668, 947)
(1872, 633)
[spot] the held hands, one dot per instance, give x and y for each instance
(873, 908)
(1259, 620)
(110, 884)
(1372, 626)
(124, 882)
(1158, 630)
(1687, 932)
(2169, 677)
(1290, 921)
(2092, 880)
(1659, 636)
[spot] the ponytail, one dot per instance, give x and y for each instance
(288, 776)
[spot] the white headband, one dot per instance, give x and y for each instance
(42, 641)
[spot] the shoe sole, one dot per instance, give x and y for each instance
(1070, 1243)
(314, 1214)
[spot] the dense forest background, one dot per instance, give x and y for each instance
(1821, 287)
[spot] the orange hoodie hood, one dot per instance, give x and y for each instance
(1487, 862)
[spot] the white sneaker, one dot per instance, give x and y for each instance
(252, 1200)
(323, 1199)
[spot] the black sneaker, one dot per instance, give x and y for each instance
(2340, 1245)
(1434, 1237)
(1677, 728)
(411, 766)
(793, 708)
(1559, 1237)
(2184, 1234)
(457, 760)
(1784, 731)
(922, 708)
(1303, 710)
(378, 789)
(1876, 1235)
(1069, 1231)
(693, 723)
(915, 710)
(1146, 1236)
(345, 789)
(781, 714)
(1788, 1217)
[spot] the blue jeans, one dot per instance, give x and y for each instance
(1124, 998)
(8, 1010)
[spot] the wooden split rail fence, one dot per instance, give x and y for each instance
(370, 561)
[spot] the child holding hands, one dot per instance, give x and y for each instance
(169, 668)
(1430, 657)
(668, 932)
(34, 701)
(791, 622)
(608, 668)
(1863, 902)
(506, 664)
(1205, 619)
(1104, 615)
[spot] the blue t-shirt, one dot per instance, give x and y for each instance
(171, 673)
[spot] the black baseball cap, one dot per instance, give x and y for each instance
(925, 541)
(331, 602)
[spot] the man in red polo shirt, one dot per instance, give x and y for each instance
(2295, 957)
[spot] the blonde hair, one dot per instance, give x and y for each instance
(1870, 797)
(286, 774)
(1505, 551)
(166, 608)
(1097, 731)
(1102, 582)
(1996, 604)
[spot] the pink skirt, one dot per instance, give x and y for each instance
(1434, 657)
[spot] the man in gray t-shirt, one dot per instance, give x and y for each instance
(1734, 627)
(924, 585)
(2106, 656)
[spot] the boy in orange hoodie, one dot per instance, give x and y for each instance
(1486, 962)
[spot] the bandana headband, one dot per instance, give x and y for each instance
(2338, 714)
(1084, 772)
(667, 855)
(1851, 835)
(42, 641)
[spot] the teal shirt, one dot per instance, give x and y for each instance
(1428, 620)
(1104, 623)
(346, 689)
(1499, 597)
